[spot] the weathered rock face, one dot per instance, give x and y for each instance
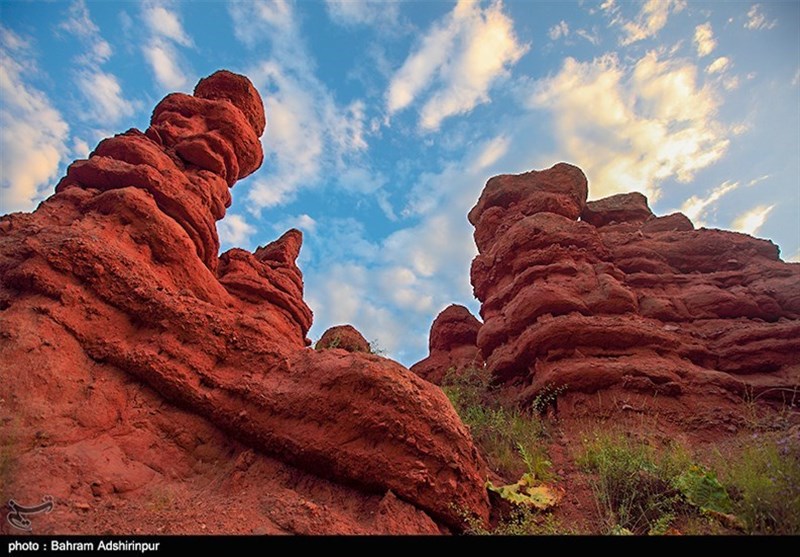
(452, 345)
(129, 347)
(343, 337)
(626, 300)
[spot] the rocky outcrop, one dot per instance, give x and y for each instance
(132, 351)
(451, 345)
(343, 337)
(623, 299)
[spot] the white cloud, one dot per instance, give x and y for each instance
(309, 134)
(560, 29)
(719, 65)
(80, 24)
(80, 149)
(758, 180)
(104, 93)
(608, 5)
(235, 231)
(704, 39)
(491, 153)
(164, 63)
(419, 68)
(360, 179)
(33, 133)
(392, 290)
(305, 223)
(756, 20)
(649, 21)
(631, 127)
(384, 13)
(794, 258)
(165, 32)
(593, 37)
(255, 20)
(166, 23)
(345, 294)
(105, 101)
(740, 128)
(750, 222)
(456, 63)
(696, 208)
(730, 83)
(402, 286)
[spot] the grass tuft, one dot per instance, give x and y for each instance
(512, 440)
(764, 481)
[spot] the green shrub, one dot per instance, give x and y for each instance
(625, 486)
(764, 481)
(512, 440)
(644, 490)
(634, 484)
(703, 490)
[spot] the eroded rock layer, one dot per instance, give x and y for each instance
(128, 343)
(343, 337)
(452, 345)
(603, 294)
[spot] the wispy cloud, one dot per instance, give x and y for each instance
(592, 36)
(491, 152)
(235, 231)
(309, 134)
(756, 20)
(79, 23)
(348, 13)
(632, 126)
(560, 29)
(704, 39)
(33, 133)
(165, 23)
(756, 181)
(456, 63)
(652, 17)
(397, 286)
(163, 61)
(105, 100)
(719, 65)
(750, 222)
(697, 208)
(165, 31)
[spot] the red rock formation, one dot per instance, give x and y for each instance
(451, 345)
(343, 337)
(626, 300)
(129, 346)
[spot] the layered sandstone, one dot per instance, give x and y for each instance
(452, 345)
(606, 295)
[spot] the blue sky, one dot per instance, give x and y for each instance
(386, 119)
